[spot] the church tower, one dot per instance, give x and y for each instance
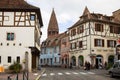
(53, 29)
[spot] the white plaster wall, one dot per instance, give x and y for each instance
(23, 36)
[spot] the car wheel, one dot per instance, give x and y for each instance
(111, 75)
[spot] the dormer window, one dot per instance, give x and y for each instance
(32, 17)
(111, 19)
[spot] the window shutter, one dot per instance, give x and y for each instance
(114, 43)
(108, 42)
(95, 27)
(95, 42)
(71, 46)
(102, 43)
(75, 45)
(101, 27)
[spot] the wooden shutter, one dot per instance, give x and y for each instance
(102, 43)
(95, 42)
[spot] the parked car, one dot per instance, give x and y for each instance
(115, 70)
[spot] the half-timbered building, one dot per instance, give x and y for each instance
(93, 38)
(20, 33)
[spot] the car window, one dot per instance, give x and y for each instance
(119, 65)
(116, 65)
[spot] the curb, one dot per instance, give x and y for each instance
(38, 78)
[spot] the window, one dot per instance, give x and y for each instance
(55, 59)
(45, 51)
(10, 36)
(44, 60)
(55, 50)
(18, 59)
(64, 42)
(114, 29)
(41, 60)
(80, 29)
(7, 44)
(47, 60)
(111, 43)
(1, 44)
(0, 59)
(99, 42)
(99, 27)
(9, 59)
(80, 44)
(111, 29)
(62, 61)
(73, 32)
(73, 45)
(20, 44)
(32, 17)
(116, 65)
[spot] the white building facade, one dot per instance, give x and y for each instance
(93, 39)
(20, 33)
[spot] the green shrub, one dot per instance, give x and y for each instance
(109, 65)
(15, 67)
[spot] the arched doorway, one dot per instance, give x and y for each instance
(111, 59)
(99, 60)
(73, 60)
(80, 60)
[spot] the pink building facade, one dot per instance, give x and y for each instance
(64, 51)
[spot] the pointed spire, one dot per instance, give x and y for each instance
(53, 25)
(86, 11)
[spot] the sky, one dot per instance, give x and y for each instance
(69, 11)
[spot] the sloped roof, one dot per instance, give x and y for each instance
(19, 5)
(53, 25)
(87, 16)
(86, 11)
(15, 4)
(53, 41)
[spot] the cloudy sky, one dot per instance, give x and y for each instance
(69, 11)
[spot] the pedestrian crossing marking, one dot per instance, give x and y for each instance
(35, 74)
(67, 73)
(52, 74)
(90, 73)
(83, 73)
(60, 73)
(75, 73)
(44, 74)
